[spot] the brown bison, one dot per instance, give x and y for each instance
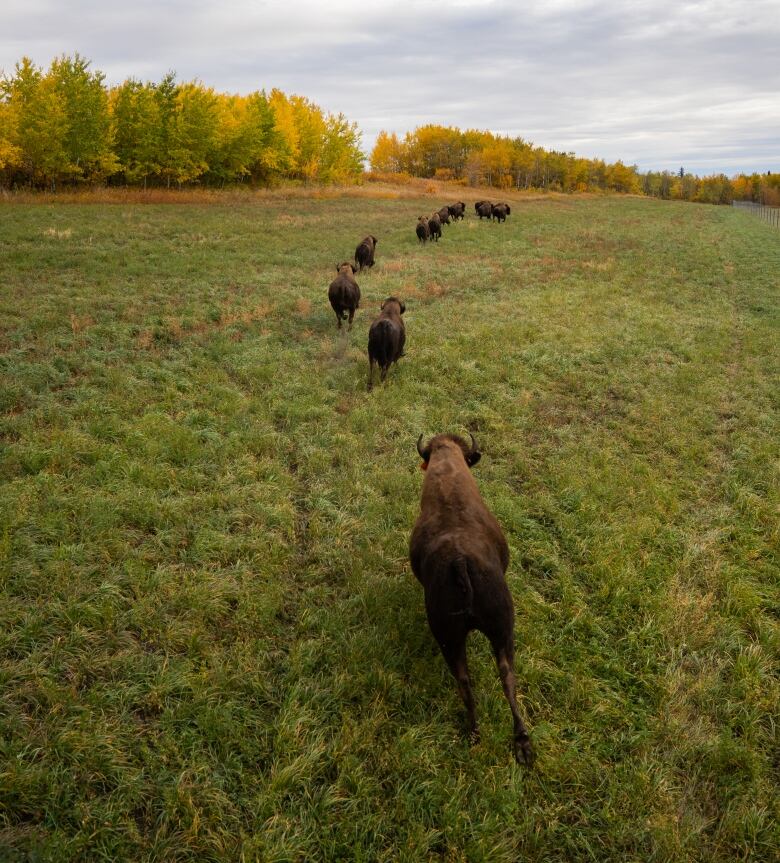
(344, 293)
(434, 226)
(499, 212)
(457, 211)
(386, 338)
(459, 555)
(484, 209)
(444, 215)
(364, 253)
(423, 233)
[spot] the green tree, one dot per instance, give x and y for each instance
(136, 126)
(40, 123)
(84, 100)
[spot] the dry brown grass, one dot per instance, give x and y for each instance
(414, 187)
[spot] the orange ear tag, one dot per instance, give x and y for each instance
(424, 465)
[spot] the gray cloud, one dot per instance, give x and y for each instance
(654, 83)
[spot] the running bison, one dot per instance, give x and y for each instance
(459, 555)
(386, 338)
(344, 293)
(444, 215)
(457, 211)
(499, 212)
(484, 209)
(364, 253)
(434, 226)
(423, 234)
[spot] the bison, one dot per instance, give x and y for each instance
(344, 293)
(444, 215)
(434, 226)
(484, 209)
(458, 210)
(459, 555)
(364, 253)
(386, 338)
(499, 212)
(423, 234)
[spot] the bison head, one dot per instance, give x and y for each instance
(470, 453)
(401, 306)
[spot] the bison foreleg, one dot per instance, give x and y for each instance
(351, 315)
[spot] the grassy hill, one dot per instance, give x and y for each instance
(211, 643)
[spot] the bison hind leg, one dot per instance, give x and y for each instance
(523, 750)
(455, 657)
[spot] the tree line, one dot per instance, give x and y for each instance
(481, 158)
(66, 126)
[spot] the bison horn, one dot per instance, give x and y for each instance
(419, 448)
(473, 444)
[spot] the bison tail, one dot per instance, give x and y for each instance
(462, 582)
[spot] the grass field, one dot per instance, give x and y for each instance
(212, 647)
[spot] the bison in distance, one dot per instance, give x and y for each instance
(344, 293)
(386, 338)
(484, 209)
(423, 233)
(459, 554)
(457, 211)
(444, 215)
(364, 253)
(500, 211)
(434, 226)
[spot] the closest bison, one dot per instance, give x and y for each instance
(459, 555)
(344, 293)
(364, 253)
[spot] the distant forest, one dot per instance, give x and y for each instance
(478, 158)
(65, 127)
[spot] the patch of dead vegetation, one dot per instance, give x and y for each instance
(289, 221)
(172, 331)
(601, 266)
(64, 234)
(80, 323)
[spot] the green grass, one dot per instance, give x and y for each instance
(211, 643)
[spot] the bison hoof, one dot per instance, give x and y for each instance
(524, 752)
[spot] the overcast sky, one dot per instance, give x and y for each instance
(660, 84)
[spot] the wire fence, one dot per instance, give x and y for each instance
(768, 214)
